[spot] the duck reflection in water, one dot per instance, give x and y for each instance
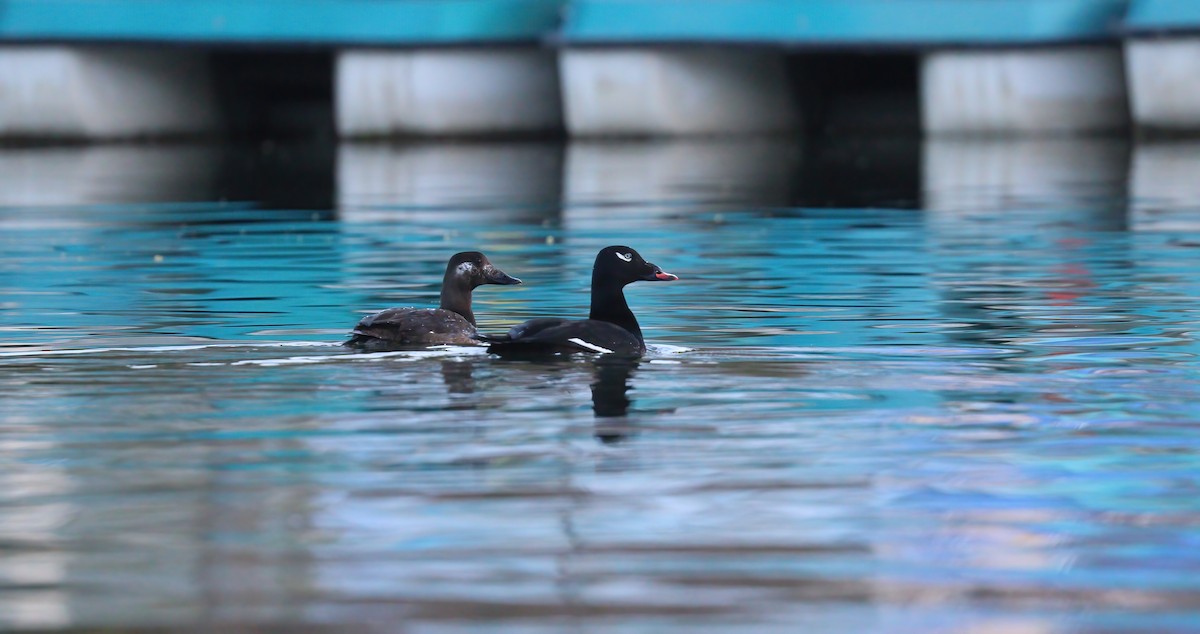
(611, 377)
(459, 377)
(610, 398)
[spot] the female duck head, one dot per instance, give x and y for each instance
(464, 272)
(471, 269)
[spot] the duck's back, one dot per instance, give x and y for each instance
(399, 327)
(567, 336)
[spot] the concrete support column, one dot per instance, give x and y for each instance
(77, 92)
(1076, 89)
(441, 92)
(676, 91)
(1164, 82)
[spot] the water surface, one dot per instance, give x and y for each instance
(900, 387)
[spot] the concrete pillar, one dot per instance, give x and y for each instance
(676, 91)
(1164, 82)
(446, 92)
(73, 92)
(1075, 89)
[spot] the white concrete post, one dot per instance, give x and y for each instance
(1074, 89)
(1164, 82)
(446, 92)
(104, 92)
(676, 91)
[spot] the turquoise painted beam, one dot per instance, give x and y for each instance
(1163, 15)
(842, 22)
(342, 22)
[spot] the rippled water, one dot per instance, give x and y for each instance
(901, 387)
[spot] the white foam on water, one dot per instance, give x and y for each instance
(662, 348)
(436, 352)
(43, 352)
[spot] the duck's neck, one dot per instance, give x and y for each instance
(456, 296)
(608, 304)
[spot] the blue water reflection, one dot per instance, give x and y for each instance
(900, 387)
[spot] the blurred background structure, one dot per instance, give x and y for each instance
(103, 69)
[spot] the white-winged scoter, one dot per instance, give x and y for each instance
(451, 323)
(610, 328)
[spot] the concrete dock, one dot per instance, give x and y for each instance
(109, 69)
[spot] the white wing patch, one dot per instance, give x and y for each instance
(590, 346)
(628, 257)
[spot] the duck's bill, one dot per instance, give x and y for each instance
(496, 276)
(660, 275)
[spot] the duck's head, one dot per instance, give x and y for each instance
(474, 269)
(623, 265)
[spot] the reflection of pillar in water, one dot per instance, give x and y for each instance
(1015, 220)
(1164, 188)
(35, 565)
(57, 189)
(652, 180)
(1072, 179)
(269, 583)
(421, 182)
(71, 176)
(1164, 194)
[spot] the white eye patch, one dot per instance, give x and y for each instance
(465, 267)
(628, 257)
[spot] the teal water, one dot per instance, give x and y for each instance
(900, 387)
